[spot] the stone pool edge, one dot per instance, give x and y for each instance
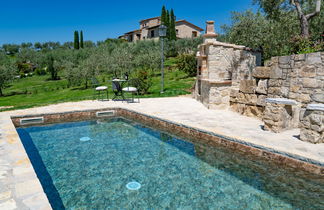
(294, 160)
(179, 129)
(20, 186)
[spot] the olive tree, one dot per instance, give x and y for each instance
(121, 60)
(7, 72)
(88, 69)
(256, 31)
(275, 8)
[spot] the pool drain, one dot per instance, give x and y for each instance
(133, 186)
(85, 139)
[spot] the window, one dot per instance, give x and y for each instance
(152, 33)
(177, 31)
(194, 34)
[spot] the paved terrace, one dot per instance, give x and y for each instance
(20, 188)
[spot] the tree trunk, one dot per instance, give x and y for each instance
(304, 24)
(1, 94)
(304, 19)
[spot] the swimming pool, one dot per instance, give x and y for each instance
(92, 164)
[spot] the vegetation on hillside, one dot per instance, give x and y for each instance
(38, 90)
(52, 74)
(278, 28)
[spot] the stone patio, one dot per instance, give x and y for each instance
(20, 188)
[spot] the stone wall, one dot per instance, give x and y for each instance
(248, 98)
(297, 77)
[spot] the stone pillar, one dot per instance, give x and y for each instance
(280, 114)
(210, 35)
(312, 124)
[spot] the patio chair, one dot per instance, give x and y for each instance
(132, 88)
(98, 89)
(117, 90)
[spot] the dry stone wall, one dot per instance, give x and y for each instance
(297, 77)
(248, 98)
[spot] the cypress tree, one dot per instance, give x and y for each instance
(173, 33)
(76, 40)
(167, 24)
(81, 39)
(163, 15)
(51, 69)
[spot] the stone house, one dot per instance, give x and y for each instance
(149, 29)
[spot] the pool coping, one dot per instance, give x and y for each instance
(90, 114)
(36, 196)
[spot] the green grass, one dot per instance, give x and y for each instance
(37, 90)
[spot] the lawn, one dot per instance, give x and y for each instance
(38, 90)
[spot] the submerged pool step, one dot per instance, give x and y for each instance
(34, 120)
(108, 113)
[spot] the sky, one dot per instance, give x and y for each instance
(45, 20)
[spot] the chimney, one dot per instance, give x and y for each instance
(210, 35)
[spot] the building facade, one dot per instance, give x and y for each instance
(149, 29)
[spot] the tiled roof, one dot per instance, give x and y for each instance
(137, 30)
(150, 19)
(178, 22)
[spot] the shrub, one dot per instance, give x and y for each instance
(25, 67)
(144, 81)
(22, 75)
(188, 64)
(40, 71)
(302, 45)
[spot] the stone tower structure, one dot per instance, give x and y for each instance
(220, 67)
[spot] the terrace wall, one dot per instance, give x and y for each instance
(297, 77)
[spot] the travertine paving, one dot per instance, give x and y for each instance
(20, 188)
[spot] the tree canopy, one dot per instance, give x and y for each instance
(305, 10)
(275, 29)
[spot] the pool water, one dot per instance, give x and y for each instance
(119, 164)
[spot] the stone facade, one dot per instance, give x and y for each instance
(149, 29)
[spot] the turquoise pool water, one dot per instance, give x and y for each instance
(118, 164)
